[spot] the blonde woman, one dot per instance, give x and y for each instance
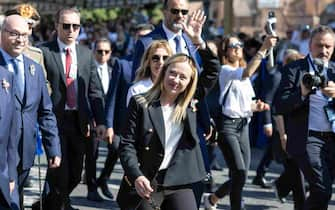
(151, 65)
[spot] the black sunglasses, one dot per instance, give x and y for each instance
(67, 26)
(157, 58)
(100, 52)
(236, 45)
(177, 11)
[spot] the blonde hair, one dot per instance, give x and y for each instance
(184, 98)
(144, 70)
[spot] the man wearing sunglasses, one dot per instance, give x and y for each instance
(32, 102)
(175, 20)
(105, 66)
(77, 102)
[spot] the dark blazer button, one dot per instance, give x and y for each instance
(147, 148)
(151, 130)
(160, 155)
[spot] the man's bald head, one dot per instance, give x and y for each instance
(14, 35)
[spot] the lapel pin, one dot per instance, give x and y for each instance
(194, 105)
(5, 84)
(32, 69)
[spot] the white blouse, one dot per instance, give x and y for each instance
(139, 87)
(173, 133)
(241, 93)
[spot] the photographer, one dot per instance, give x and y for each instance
(311, 140)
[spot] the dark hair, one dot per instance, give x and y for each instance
(102, 39)
(66, 10)
(223, 48)
(322, 29)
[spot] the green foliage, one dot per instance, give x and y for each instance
(98, 15)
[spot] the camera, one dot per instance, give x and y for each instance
(318, 80)
(314, 81)
(270, 25)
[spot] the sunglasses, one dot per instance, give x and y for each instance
(157, 58)
(236, 45)
(100, 52)
(67, 26)
(177, 11)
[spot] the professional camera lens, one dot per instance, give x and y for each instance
(312, 81)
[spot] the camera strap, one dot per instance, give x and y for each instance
(311, 63)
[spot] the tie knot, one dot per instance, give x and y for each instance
(67, 50)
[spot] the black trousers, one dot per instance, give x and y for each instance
(318, 167)
(292, 179)
(166, 198)
(234, 143)
(92, 153)
(266, 160)
(62, 180)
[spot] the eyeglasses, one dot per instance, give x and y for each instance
(177, 11)
(100, 52)
(67, 26)
(16, 35)
(236, 45)
(157, 58)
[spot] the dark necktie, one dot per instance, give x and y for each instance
(178, 44)
(19, 78)
(70, 83)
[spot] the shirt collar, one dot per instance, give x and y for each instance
(326, 64)
(104, 66)
(170, 34)
(63, 46)
(8, 57)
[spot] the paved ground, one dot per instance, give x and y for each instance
(255, 197)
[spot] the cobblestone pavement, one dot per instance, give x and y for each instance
(255, 198)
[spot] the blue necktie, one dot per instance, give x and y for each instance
(19, 78)
(178, 44)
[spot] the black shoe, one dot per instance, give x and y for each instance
(262, 182)
(36, 206)
(104, 188)
(94, 196)
(28, 183)
(280, 198)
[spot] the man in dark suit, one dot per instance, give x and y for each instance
(102, 54)
(78, 102)
(8, 143)
(175, 15)
(32, 101)
(311, 138)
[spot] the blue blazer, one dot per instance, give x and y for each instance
(8, 143)
(35, 107)
(290, 104)
(116, 107)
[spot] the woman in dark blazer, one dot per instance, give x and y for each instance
(159, 148)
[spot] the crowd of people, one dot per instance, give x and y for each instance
(162, 98)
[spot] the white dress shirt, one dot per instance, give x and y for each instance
(73, 67)
(241, 93)
(103, 75)
(170, 36)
